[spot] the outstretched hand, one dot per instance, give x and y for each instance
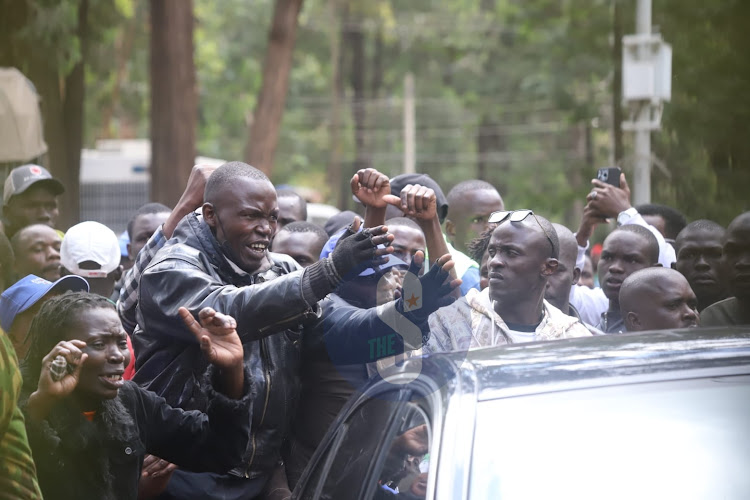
(355, 247)
(436, 287)
(217, 335)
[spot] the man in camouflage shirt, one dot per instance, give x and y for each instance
(17, 471)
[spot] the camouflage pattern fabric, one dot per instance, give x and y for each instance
(17, 471)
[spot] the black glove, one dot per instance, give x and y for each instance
(436, 289)
(353, 249)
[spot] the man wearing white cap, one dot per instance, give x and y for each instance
(92, 250)
(30, 197)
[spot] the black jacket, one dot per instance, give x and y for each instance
(102, 459)
(191, 271)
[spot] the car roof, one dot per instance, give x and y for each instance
(592, 361)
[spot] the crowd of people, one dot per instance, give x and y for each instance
(206, 352)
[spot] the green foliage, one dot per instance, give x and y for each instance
(522, 87)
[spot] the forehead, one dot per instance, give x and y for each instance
(657, 221)
(481, 201)
(94, 322)
(289, 203)
(407, 236)
(700, 237)
(625, 242)
(670, 283)
(244, 191)
(518, 233)
(739, 231)
(149, 222)
(38, 233)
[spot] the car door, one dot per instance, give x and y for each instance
(378, 448)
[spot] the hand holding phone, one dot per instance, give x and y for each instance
(610, 175)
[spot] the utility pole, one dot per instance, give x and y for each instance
(410, 157)
(642, 163)
(646, 86)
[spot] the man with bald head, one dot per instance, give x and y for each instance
(657, 298)
(37, 251)
(699, 250)
(736, 267)
(523, 254)
(566, 275)
(470, 203)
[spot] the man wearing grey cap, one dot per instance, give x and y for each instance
(30, 197)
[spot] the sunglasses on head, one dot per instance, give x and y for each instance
(518, 216)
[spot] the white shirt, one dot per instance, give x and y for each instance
(592, 303)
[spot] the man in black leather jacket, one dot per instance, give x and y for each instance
(221, 260)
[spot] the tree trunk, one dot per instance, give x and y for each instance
(72, 109)
(173, 98)
(266, 123)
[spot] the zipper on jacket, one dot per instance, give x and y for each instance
(283, 321)
(267, 376)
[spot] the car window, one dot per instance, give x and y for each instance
(380, 450)
(675, 439)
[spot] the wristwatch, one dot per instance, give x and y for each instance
(624, 216)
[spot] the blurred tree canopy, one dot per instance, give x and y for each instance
(518, 92)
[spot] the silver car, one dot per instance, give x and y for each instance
(637, 416)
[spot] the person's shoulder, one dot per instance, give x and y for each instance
(569, 326)
(284, 261)
(724, 312)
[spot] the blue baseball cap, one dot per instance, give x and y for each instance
(29, 290)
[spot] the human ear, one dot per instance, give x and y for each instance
(450, 229)
(209, 214)
(576, 275)
(632, 322)
(550, 267)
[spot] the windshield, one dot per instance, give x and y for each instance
(678, 439)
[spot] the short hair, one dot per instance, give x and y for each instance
(674, 221)
(339, 220)
(737, 222)
(7, 260)
(307, 227)
(652, 244)
(699, 225)
(566, 239)
(50, 326)
(291, 193)
(226, 174)
(546, 227)
(403, 222)
(460, 189)
(147, 209)
(478, 246)
(639, 279)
